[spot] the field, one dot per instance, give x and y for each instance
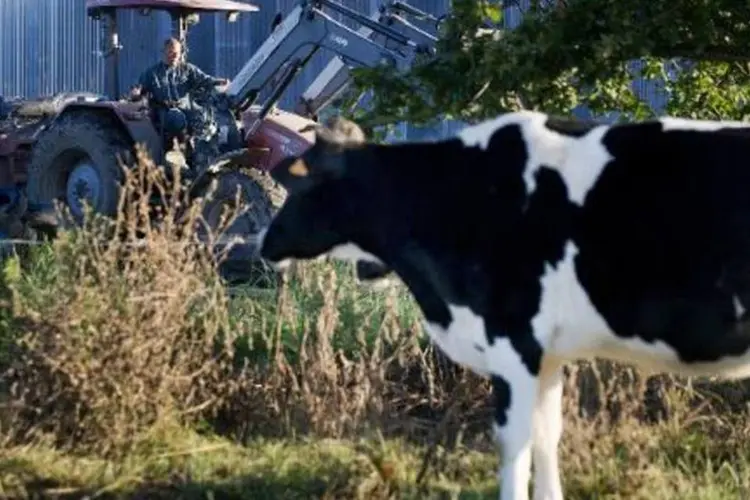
(131, 371)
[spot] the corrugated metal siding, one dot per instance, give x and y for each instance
(142, 38)
(51, 46)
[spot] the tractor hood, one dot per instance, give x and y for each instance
(194, 5)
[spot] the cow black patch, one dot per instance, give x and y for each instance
(665, 225)
(545, 225)
(502, 394)
(371, 271)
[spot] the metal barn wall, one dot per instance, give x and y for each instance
(50, 46)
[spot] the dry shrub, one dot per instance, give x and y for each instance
(126, 332)
(630, 432)
(338, 360)
(126, 324)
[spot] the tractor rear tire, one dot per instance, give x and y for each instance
(242, 263)
(88, 144)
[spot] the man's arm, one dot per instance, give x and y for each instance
(144, 86)
(200, 79)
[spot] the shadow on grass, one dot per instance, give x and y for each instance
(250, 487)
(368, 469)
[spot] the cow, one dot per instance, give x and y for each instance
(530, 241)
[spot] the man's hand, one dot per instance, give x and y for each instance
(136, 92)
(222, 82)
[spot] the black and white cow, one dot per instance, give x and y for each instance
(530, 241)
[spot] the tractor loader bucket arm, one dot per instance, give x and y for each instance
(304, 31)
(335, 77)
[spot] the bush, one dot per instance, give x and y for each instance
(121, 327)
(118, 326)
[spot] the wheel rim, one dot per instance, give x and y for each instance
(83, 186)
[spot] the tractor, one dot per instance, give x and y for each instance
(66, 147)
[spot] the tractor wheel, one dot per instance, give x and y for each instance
(241, 263)
(77, 159)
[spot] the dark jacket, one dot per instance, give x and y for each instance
(168, 85)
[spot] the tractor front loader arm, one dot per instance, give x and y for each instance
(335, 77)
(304, 31)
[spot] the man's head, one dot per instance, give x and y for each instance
(318, 217)
(172, 51)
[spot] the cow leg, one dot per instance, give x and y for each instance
(515, 390)
(548, 426)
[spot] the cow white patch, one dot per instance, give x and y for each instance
(379, 284)
(353, 253)
(547, 432)
(481, 133)
(584, 162)
(739, 310)
(543, 147)
(464, 340)
(350, 252)
(674, 123)
(579, 331)
(579, 160)
(515, 437)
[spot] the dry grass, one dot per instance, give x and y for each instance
(130, 370)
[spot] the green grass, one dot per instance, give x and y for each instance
(187, 465)
(196, 466)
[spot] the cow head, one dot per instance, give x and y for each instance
(320, 216)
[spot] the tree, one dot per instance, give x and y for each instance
(575, 52)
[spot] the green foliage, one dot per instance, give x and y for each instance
(570, 53)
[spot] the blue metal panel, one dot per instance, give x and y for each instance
(202, 43)
(55, 47)
(235, 42)
(142, 37)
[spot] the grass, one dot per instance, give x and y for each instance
(129, 371)
(184, 464)
(265, 469)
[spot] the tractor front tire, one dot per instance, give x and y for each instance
(78, 157)
(242, 261)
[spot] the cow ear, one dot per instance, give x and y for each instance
(293, 173)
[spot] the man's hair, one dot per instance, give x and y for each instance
(171, 41)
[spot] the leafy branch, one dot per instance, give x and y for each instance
(569, 53)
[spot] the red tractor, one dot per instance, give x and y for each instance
(65, 147)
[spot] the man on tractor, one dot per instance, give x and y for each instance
(172, 86)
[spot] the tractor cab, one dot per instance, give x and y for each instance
(184, 13)
(170, 123)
